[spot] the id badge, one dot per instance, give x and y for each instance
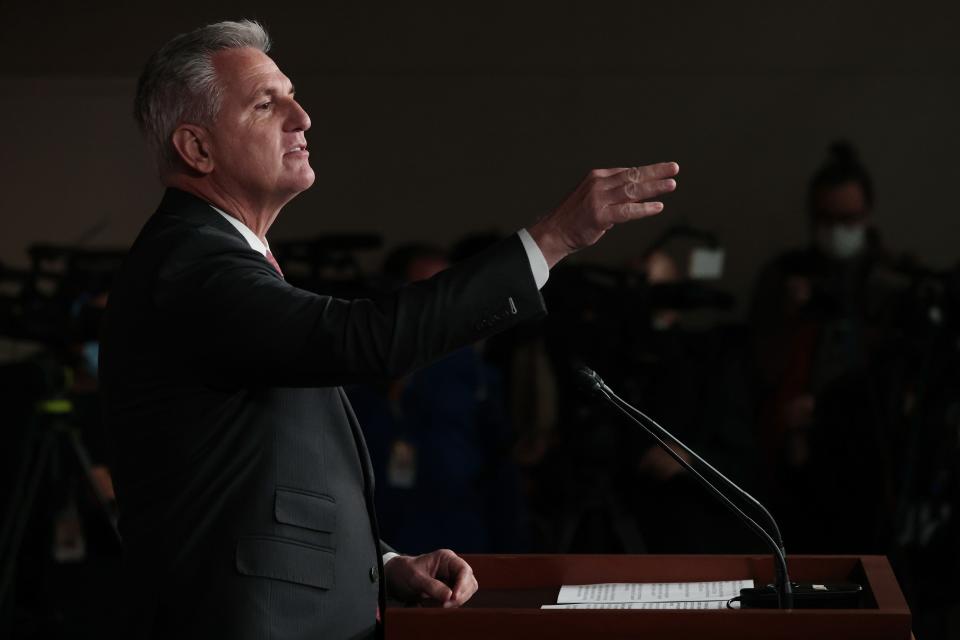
(402, 467)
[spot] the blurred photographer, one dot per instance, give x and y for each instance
(822, 316)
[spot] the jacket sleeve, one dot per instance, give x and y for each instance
(243, 323)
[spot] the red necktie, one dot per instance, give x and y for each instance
(273, 262)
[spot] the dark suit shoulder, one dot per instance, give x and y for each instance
(185, 226)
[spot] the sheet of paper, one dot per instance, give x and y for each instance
(652, 591)
(710, 604)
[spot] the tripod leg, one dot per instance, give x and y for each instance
(28, 456)
(19, 514)
(83, 457)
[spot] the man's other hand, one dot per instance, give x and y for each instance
(606, 197)
(441, 575)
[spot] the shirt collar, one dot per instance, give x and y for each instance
(255, 243)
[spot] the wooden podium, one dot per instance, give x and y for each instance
(512, 589)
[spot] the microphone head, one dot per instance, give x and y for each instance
(589, 380)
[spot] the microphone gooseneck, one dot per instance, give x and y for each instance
(594, 383)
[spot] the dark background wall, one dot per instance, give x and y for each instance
(431, 122)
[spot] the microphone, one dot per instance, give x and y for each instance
(784, 593)
(592, 382)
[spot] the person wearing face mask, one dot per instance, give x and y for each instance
(841, 212)
(820, 317)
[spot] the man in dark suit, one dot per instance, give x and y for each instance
(242, 476)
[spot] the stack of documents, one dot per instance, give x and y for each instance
(652, 595)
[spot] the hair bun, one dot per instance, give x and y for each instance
(843, 153)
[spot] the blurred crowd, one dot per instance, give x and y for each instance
(836, 402)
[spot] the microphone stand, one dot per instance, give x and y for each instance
(659, 434)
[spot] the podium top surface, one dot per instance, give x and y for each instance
(514, 587)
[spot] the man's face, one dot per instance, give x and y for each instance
(844, 203)
(841, 216)
(257, 140)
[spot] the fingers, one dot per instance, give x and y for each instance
(465, 584)
(632, 211)
(645, 190)
(638, 183)
(657, 171)
(445, 565)
(606, 173)
(633, 192)
(430, 587)
(619, 175)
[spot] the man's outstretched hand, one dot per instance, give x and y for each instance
(441, 575)
(605, 197)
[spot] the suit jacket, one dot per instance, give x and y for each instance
(244, 484)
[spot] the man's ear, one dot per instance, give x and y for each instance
(193, 146)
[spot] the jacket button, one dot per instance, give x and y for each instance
(373, 574)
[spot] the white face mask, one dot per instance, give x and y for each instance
(842, 241)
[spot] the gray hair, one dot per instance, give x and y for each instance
(179, 83)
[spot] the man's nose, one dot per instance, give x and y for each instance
(297, 119)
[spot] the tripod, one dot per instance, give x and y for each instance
(41, 455)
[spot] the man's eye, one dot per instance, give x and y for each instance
(264, 106)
